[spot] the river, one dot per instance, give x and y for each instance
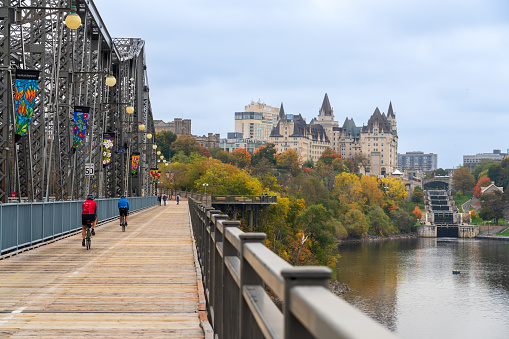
(408, 286)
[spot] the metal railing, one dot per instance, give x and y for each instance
(236, 267)
(269, 199)
(26, 224)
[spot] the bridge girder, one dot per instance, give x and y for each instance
(42, 164)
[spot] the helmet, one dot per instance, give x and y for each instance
(90, 197)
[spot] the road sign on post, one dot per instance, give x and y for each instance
(89, 169)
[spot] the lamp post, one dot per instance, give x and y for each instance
(205, 185)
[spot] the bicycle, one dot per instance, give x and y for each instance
(123, 223)
(88, 236)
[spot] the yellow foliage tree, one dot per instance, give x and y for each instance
(395, 190)
(347, 186)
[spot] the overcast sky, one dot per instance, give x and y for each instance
(443, 63)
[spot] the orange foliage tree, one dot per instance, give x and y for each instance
(417, 213)
(242, 157)
(483, 182)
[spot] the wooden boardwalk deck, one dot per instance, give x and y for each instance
(141, 283)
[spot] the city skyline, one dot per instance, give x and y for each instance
(442, 64)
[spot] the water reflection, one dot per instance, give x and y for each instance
(408, 285)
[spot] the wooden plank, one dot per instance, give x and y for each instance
(141, 282)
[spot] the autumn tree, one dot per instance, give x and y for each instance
(417, 213)
(204, 152)
(463, 180)
(483, 182)
(186, 144)
(164, 140)
(395, 190)
(348, 188)
(224, 179)
(289, 160)
(241, 157)
(492, 206)
(371, 191)
(328, 156)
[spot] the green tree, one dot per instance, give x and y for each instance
(164, 140)
(213, 151)
(463, 180)
(440, 172)
(492, 206)
(264, 152)
(355, 224)
(482, 168)
(417, 197)
(224, 157)
(402, 220)
(379, 222)
(308, 164)
(321, 228)
(186, 144)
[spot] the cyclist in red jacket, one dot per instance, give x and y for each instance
(89, 213)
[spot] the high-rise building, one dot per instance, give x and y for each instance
(257, 121)
(417, 161)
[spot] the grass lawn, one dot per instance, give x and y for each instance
(462, 199)
(506, 233)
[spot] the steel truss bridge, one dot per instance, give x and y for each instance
(72, 65)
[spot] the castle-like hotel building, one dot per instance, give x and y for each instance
(377, 141)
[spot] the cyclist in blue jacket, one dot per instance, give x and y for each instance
(123, 209)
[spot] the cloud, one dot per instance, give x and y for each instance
(443, 64)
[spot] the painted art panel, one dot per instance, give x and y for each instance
(25, 90)
(108, 140)
(81, 115)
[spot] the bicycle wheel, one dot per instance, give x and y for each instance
(89, 238)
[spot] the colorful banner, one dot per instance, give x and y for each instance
(135, 161)
(81, 114)
(25, 88)
(154, 175)
(108, 139)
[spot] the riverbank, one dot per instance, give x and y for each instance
(379, 238)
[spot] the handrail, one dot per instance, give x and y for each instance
(236, 267)
(26, 224)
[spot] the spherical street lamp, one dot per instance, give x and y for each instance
(129, 109)
(149, 135)
(110, 80)
(161, 157)
(154, 146)
(158, 152)
(73, 20)
(141, 127)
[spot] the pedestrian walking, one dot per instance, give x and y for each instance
(164, 199)
(159, 199)
(178, 198)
